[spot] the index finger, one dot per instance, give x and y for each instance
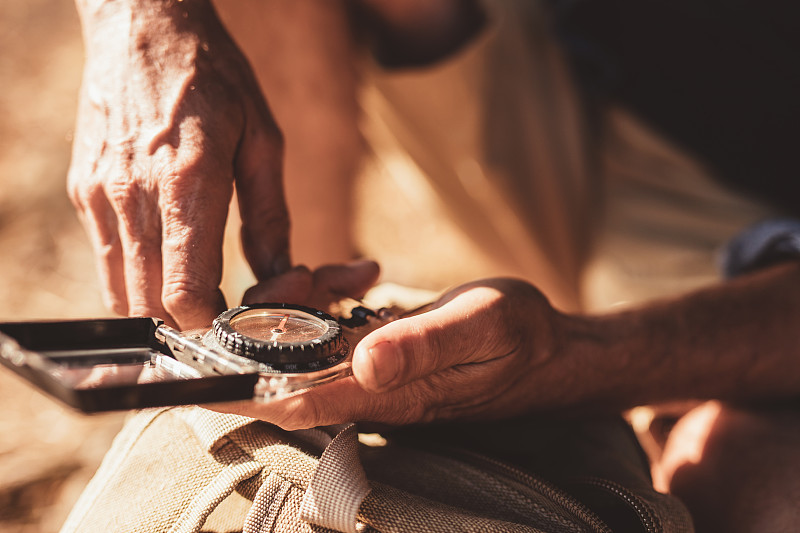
(194, 207)
(338, 402)
(262, 204)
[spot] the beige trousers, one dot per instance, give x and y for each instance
(483, 166)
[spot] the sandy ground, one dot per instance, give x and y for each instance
(47, 452)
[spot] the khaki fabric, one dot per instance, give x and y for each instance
(160, 476)
(481, 158)
(189, 470)
(489, 158)
(339, 484)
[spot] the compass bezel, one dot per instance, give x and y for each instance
(326, 350)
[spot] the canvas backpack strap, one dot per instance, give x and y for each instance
(211, 428)
(339, 485)
(336, 490)
(238, 469)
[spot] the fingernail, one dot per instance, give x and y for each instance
(281, 264)
(386, 364)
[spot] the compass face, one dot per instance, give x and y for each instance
(287, 337)
(279, 325)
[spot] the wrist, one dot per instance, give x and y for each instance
(734, 341)
(612, 363)
(101, 8)
(106, 21)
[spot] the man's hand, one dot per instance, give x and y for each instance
(170, 118)
(497, 348)
(485, 350)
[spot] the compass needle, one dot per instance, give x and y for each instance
(282, 325)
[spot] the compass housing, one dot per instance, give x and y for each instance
(286, 337)
(262, 352)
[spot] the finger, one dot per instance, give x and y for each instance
(345, 401)
(194, 207)
(100, 222)
(292, 287)
(89, 198)
(259, 186)
(352, 279)
(301, 411)
(467, 329)
(339, 402)
(333, 403)
(139, 229)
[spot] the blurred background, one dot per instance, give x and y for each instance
(438, 178)
(47, 452)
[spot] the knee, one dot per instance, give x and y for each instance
(737, 470)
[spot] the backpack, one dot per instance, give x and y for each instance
(189, 470)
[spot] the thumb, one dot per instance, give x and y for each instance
(467, 329)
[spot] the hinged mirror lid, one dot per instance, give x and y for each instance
(113, 364)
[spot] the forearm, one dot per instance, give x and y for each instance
(734, 341)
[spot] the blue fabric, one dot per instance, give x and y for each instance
(761, 245)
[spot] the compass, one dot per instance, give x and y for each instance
(286, 337)
(261, 352)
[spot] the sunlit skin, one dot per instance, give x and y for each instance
(496, 348)
(166, 128)
(171, 120)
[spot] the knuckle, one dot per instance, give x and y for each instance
(522, 319)
(274, 215)
(192, 196)
(275, 138)
(142, 308)
(274, 221)
(115, 303)
(127, 207)
(267, 134)
(94, 197)
(106, 249)
(430, 344)
(191, 305)
(427, 347)
(502, 319)
(135, 208)
(306, 414)
(74, 190)
(124, 194)
(182, 298)
(416, 404)
(118, 308)
(142, 302)
(83, 194)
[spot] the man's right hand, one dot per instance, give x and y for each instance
(170, 118)
(485, 350)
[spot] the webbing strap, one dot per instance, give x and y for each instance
(339, 485)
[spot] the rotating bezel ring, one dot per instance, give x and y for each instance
(287, 337)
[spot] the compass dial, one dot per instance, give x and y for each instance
(289, 338)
